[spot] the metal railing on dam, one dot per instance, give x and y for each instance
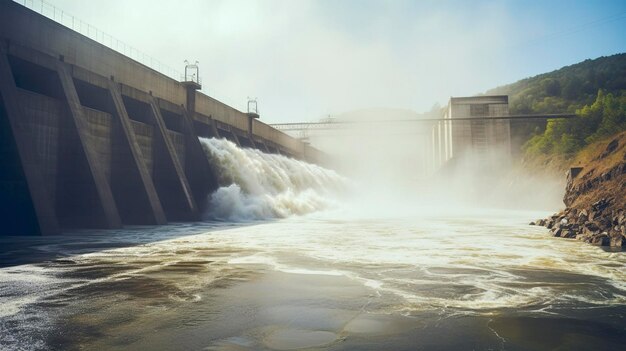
(58, 15)
(90, 137)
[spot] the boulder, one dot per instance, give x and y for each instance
(604, 223)
(616, 239)
(601, 239)
(590, 228)
(582, 237)
(600, 205)
(568, 234)
(595, 226)
(583, 216)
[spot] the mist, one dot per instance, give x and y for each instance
(391, 163)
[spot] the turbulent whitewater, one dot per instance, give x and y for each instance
(371, 273)
(256, 185)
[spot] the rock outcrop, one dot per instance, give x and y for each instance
(598, 225)
(595, 197)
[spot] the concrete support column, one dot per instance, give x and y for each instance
(235, 137)
(152, 204)
(200, 175)
(173, 162)
(440, 146)
(216, 134)
(41, 201)
(262, 146)
(201, 178)
(111, 217)
(429, 153)
(446, 155)
(450, 126)
(434, 144)
(250, 125)
(191, 88)
(251, 132)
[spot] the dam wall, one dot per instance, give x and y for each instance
(91, 138)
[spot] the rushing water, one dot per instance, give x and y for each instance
(257, 185)
(309, 269)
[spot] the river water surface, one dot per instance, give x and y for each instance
(337, 279)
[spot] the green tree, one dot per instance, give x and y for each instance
(605, 117)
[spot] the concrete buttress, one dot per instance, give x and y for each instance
(110, 216)
(144, 187)
(172, 162)
(42, 205)
(200, 174)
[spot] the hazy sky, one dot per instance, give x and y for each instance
(307, 59)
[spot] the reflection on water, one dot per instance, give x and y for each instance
(469, 280)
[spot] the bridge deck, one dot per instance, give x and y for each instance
(296, 126)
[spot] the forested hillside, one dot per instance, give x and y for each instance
(593, 89)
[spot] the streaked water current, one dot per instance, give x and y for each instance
(304, 270)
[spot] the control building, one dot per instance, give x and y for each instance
(466, 134)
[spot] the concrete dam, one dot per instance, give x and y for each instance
(90, 138)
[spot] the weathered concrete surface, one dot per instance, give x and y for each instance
(111, 217)
(144, 186)
(200, 174)
(91, 138)
(172, 162)
(16, 204)
(25, 27)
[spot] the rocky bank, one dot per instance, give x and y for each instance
(595, 196)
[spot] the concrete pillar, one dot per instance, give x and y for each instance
(429, 152)
(41, 201)
(440, 146)
(250, 124)
(235, 137)
(448, 140)
(173, 162)
(201, 177)
(152, 204)
(435, 144)
(191, 88)
(216, 134)
(111, 217)
(445, 141)
(251, 118)
(262, 146)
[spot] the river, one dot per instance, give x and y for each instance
(281, 264)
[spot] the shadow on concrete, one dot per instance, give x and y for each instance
(19, 250)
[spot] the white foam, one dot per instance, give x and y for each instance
(256, 185)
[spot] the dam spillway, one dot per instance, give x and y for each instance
(91, 138)
(255, 185)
